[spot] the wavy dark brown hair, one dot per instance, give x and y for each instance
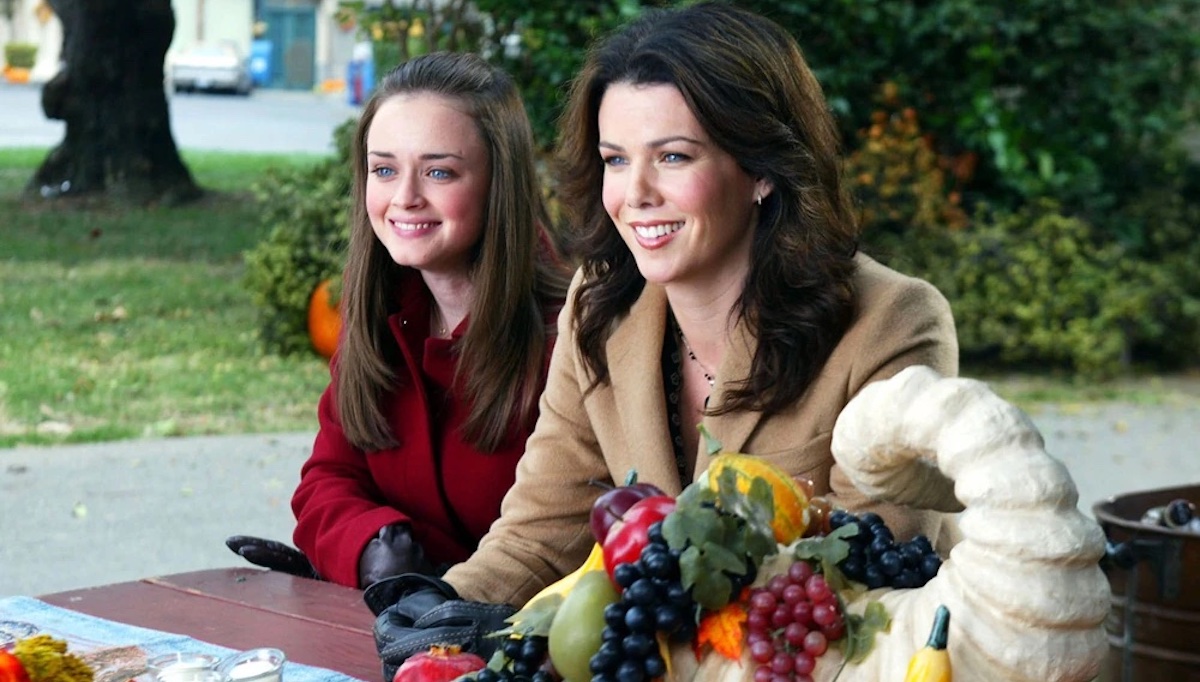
(747, 83)
(516, 273)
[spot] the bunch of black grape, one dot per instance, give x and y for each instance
(653, 601)
(877, 560)
(527, 662)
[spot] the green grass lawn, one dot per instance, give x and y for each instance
(122, 322)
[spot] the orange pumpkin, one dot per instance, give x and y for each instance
(16, 74)
(324, 321)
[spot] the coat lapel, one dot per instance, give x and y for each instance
(634, 365)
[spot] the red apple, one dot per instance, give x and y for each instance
(610, 506)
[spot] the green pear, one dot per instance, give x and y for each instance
(577, 626)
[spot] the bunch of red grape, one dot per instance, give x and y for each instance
(791, 622)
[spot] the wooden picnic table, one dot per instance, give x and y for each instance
(312, 622)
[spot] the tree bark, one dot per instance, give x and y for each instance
(110, 93)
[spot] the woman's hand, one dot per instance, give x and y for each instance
(415, 612)
(390, 553)
(273, 555)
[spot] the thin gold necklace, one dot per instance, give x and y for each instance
(708, 376)
(436, 323)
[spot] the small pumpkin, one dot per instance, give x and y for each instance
(324, 320)
(791, 499)
(16, 74)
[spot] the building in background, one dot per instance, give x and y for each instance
(199, 22)
(306, 46)
(299, 43)
(33, 22)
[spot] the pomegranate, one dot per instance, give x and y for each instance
(439, 664)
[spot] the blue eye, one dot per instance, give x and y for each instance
(614, 160)
(674, 157)
(440, 174)
(382, 171)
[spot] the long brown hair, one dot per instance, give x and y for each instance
(746, 82)
(516, 274)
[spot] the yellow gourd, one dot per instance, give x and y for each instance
(563, 586)
(932, 662)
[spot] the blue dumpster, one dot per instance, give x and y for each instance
(260, 62)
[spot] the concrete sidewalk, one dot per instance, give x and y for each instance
(83, 515)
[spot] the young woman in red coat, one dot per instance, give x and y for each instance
(452, 288)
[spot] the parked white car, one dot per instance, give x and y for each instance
(211, 67)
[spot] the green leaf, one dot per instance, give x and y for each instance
(712, 446)
(684, 524)
(861, 631)
(719, 558)
(830, 548)
(690, 566)
(695, 494)
(828, 551)
(710, 588)
(755, 507)
(534, 619)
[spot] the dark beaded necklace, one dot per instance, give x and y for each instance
(672, 371)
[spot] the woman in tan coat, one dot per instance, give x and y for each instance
(720, 283)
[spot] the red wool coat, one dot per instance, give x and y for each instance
(434, 480)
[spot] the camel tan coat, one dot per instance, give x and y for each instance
(543, 530)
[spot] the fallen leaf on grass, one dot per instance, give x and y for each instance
(115, 315)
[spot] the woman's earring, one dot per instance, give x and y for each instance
(758, 199)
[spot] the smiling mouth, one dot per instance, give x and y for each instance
(413, 227)
(656, 231)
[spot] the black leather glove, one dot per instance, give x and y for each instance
(415, 612)
(392, 552)
(273, 555)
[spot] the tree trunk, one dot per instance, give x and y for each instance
(110, 93)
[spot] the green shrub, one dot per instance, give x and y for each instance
(20, 55)
(1036, 287)
(1074, 99)
(1170, 224)
(307, 212)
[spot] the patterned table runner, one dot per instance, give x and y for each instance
(118, 651)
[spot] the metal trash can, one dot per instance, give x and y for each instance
(1154, 625)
